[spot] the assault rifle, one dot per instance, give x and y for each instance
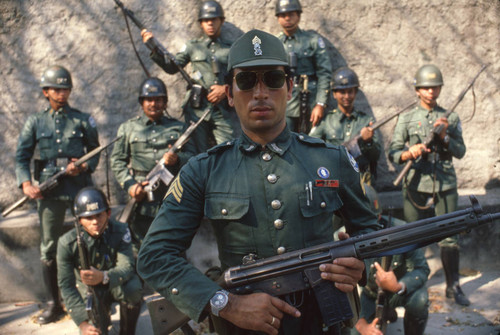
(95, 309)
(305, 114)
(437, 130)
(353, 146)
(382, 303)
(298, 270)
(153, 44)
(160, 174)
(53, 181)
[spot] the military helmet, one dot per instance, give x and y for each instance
(90, 201)
(343, 78)
(428, 76)
(56, 76)
(372, 196)
(152, 87)
(287, 6)
(210, 10)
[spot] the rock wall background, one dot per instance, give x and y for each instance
(384, 41)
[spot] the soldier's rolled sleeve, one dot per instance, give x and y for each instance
(323, 71)
(25, 148)
(160, 262)
(67, 282)
(355, 210)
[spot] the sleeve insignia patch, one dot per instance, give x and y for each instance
(175, 190)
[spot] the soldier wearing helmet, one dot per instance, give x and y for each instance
(208, 58)
(61, 134)
(404, 284)
(309, 58)
(345, 122)
(145, 140)
(430, 187)
(111, 273)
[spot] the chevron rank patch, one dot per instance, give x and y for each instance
(175, 189)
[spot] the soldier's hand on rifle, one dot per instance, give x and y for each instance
(367, 133)
(257, 311)
(317, 114)
(365, 328)
(32, 191)
(87, 329)
(346, 272)
(73, 170)
(137, 192)
(414, 152)
(170, 158)
(92, 276)
(386, 280)
(442, 121)
(146, 35)
(217, 94)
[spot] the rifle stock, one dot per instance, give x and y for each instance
(160, 172)
(437, 130)
(283, 274)
(305, 113)
(52, 182)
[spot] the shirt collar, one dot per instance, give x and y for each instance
(354, 115)
(63, 111)
(279, 145)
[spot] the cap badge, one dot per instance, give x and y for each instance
(256, 46)
(93, 206)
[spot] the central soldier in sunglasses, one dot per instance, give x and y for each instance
(266, 193)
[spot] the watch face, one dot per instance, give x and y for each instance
(219, 300)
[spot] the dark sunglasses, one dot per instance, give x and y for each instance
(247, 80)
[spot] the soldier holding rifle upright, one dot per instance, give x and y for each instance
(145, 141)
(208, 57)
(62, 134)
(262, 200)
(430, 187)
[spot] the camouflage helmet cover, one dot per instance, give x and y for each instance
(90, 201)
(210, 10)
(57, 77)
(287, 6)
(428, 76)
(344, 78)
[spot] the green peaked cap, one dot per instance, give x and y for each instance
(257, 48)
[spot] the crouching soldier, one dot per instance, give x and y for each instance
(111, 274)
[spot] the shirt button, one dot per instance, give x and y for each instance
(267, 157)
(278, 224)
(60, 150)
(281, 250)
(155, 150)
(57, 121)
(97, 254)
(301, 137)
(276, 204)
(57, 131)
(153, 131)
(224, 211)
(154, 139)
(323, 204)
(272, 178)
(58, 140)
(348, 133)
(175, 291)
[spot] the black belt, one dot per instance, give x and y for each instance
(56, 162)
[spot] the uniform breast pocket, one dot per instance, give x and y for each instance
(74, 142)
(321, 201)
(138, 145)
(45, 140)
(334, 135)
(416, 132)
(198, 56)
(162, 141)
(306, 62)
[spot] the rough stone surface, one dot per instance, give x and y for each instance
(383, 41)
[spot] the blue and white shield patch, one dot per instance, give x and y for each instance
(127, 238)
(323, 172)
(92, 122)
(352, 161)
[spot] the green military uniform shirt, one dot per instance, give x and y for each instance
(412, 128)
(313, 61)
(58, 135)
(257, 203)
(336, 128)
(200, 53)
(111, 252)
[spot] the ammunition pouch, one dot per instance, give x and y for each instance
(197, 92)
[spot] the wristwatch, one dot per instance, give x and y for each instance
(219, 301)
(446, 139)
(105, 278)
(403, 289)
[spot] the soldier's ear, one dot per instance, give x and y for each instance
(229, 94)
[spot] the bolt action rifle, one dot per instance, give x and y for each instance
(353, 146)
(429, 140)
(305, 113)
(160, 175)
(299, 270)
(154, 45)
(53, 181)
(96, 311)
